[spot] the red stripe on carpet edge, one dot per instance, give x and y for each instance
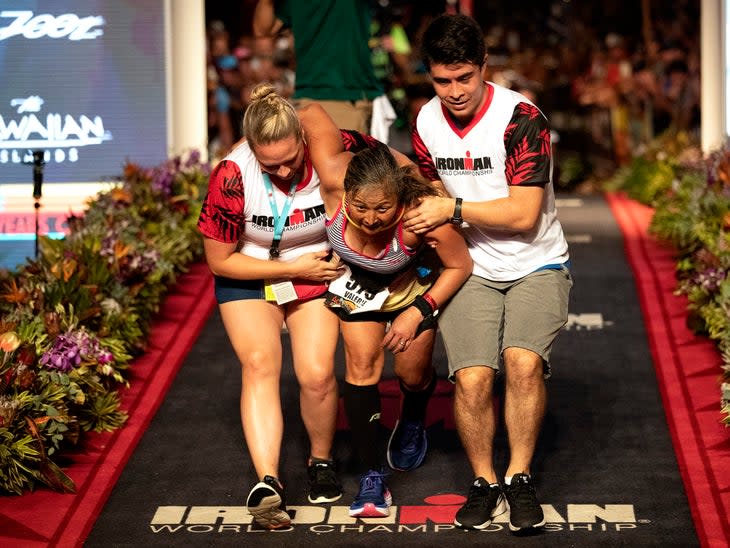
(141, 401)
(696, 467)
(705, 489)
(687, 349)
(657, 325)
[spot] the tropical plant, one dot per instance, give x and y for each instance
(652, 172)
(74, 318)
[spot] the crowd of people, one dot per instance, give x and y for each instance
(596, 73)
(312, 222)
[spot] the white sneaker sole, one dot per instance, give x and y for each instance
(322, 499)
(268, 512)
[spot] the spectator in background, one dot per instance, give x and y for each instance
(676, 105)
(333, 58)
(640, 104)
(220, 119)
(618, 79)
(391, 57)
(227, 84)
(246, 68)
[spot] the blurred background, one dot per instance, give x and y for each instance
(609, 76)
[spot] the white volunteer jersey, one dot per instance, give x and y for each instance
(471, 163)
(305, 231)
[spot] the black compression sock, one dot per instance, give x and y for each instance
(362, 407)
(415, 403)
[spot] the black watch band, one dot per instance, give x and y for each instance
(456, 217)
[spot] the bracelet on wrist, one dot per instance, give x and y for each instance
(430, 300)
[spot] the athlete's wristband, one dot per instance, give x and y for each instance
(429, 314)
(431, 301)
(425, 307)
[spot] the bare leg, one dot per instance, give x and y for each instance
(364, 355)
(254, 328)
(524, 406)
(413, 367)
(475, 418)
(313, 330)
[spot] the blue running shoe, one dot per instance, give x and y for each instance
(374, 498)
(407, 445)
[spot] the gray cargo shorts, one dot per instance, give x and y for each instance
(485, 317)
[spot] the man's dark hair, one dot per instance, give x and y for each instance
(451, 39)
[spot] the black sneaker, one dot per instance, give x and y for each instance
(267, 505)
(323, 484)
(483, 503)
(524, 509)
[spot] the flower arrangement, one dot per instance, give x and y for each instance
(692, 212)
(72, 320)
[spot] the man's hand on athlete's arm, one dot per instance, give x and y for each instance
(431, 212)
(517, 212)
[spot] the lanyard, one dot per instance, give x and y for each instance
(279, 220)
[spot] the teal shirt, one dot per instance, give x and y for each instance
(331, 48)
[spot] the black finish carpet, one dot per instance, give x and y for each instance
(605, 468)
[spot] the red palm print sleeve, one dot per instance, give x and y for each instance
(221, 217)
(423, 157)
(527, 141)
(355, 141)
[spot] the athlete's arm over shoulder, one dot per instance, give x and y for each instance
(329, 157)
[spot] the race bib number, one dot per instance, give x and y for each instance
(351, 296)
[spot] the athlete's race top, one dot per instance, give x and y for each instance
(393, 258)
(387, 282)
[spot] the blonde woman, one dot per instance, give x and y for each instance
(263, 226)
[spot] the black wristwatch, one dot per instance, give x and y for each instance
(456, 218)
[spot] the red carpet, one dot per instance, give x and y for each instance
(45, 518)
(688, 369)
